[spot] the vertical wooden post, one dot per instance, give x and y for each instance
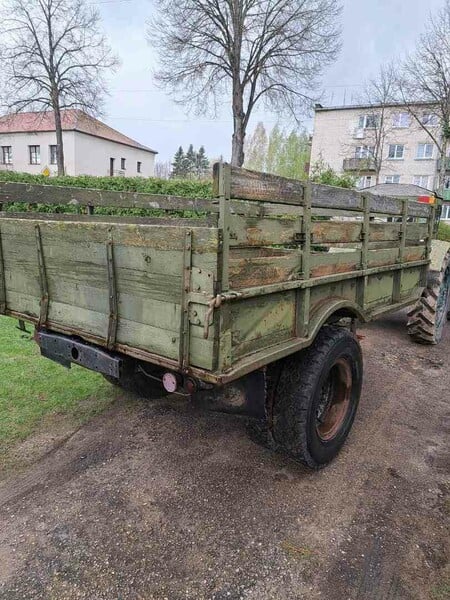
(397, 289)
(42, 279)
(2, 280)
(186, 287)
(365, 240)
(222, 187)
(112, 290)
(303, 296)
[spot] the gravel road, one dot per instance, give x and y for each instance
(162, 500)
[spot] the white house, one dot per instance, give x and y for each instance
(28, 144)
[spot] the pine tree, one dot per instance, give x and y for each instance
(189, 162)
(178, 164)
(202, 163)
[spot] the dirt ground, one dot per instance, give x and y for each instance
(162, 500)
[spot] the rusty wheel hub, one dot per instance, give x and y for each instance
(334, 400)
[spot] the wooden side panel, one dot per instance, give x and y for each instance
(333, 232)
(250, 185)
(252, 231)
(263, 270)
(53, 194)
(261, 322)
(379, 289)
(148, 268)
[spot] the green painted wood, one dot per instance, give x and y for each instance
(248, 272)
(263, 321)
(253, 231)
(52, 194)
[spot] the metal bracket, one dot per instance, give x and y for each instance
(113, 303)
(186, 282)
(42, 279)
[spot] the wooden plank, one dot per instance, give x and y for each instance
(336, 232)
(122, 219)
(205, 239)
(329, 197)
(252, 231)
(330, 263)
(249, 272)
(261, 322)
(264, 187)
(72, 196)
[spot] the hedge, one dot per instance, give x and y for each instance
(150, 185)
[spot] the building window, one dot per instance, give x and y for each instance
(445, 212)
(53, 154)
(365, 181)
(392, 179)
(421, 180)
(401, 120)
(368, 121)
(364, 151)
(6, 156)
(424, 151)
(429, 119)
(396, 151)
(35, 155)
(139, 166)
(122, 164)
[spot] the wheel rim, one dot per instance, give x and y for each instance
(334, 400)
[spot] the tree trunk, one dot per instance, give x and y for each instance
(59, 139)
(443, 169)
(237, 146)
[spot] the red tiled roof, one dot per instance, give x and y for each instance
(72, 120)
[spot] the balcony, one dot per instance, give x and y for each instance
(447, 164)
(359, 164)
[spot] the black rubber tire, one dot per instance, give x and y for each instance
(298, 396)
(426, 320)
(133, 380)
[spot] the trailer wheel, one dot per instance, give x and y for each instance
(317, 396)
(141, 380)
(427, 319)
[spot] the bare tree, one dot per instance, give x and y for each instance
(255, 50)
(53, 56)
(425, 83)
(379, 95)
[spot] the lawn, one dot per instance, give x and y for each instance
(33, 388)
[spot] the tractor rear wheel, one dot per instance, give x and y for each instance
(427, 319)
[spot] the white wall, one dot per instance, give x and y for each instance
(334, 139)
(92, 156)
(44, 139)
(83, 154)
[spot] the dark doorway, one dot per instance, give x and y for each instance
(111, 167)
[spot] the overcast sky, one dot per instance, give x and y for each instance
(374, 31)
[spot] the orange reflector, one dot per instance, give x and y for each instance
(426, 199)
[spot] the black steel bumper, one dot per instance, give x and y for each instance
(66, 350)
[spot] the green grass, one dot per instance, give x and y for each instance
(33, 388)
(444, 232)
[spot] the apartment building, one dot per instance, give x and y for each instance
(28, 144)
(377, 144)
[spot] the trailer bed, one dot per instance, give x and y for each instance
(249, 278)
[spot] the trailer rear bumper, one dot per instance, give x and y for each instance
(66, 350)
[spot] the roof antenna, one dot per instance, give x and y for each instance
(345, 94)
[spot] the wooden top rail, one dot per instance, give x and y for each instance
(52, 194)
(264, 187)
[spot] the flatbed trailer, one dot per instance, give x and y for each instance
(258, 277)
